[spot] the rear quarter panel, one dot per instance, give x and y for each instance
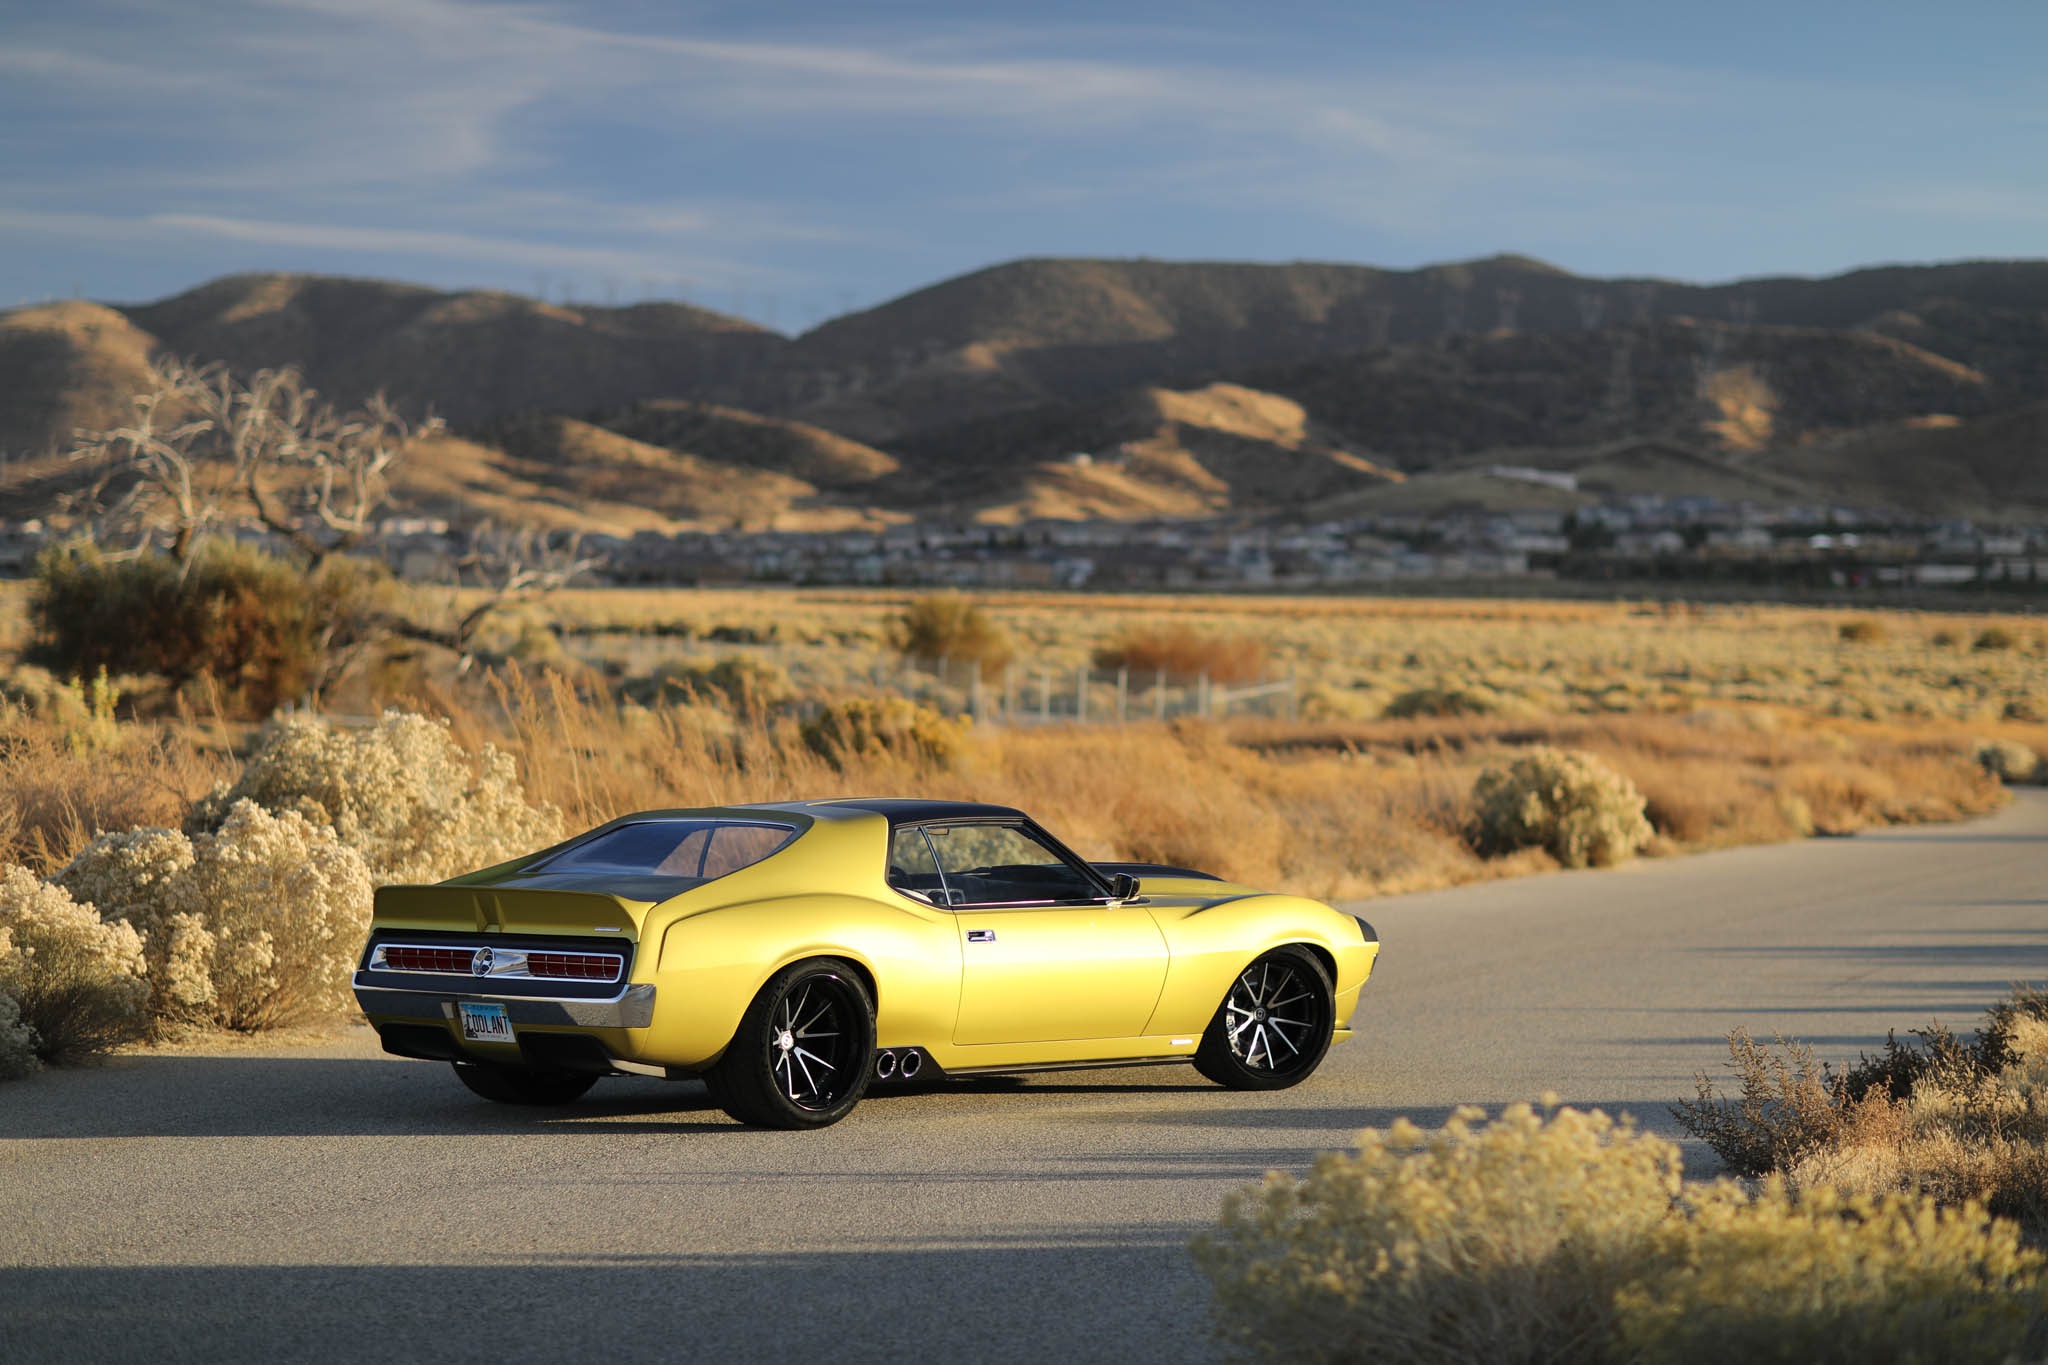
(711, 965)
(1217, 934)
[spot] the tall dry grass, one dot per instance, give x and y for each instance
(1332, 812)
(60, 787)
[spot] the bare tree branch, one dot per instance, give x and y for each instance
(202, 436)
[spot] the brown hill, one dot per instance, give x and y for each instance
(66, 366)
(586, 466)
(1989, 467)
(470, 357)
(1739, 390)
(1032, 332)
(981, 386)
(748, 439)
(1151, 453)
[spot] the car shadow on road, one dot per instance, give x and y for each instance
(154, 1095)
(164, 1096)
(1131, 1293)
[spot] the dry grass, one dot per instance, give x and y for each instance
(1960, 1121)
(1737, 724)
(1334, 812)
(1184, 652)
(58, 789)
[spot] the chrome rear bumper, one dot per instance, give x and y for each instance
(631, 1008)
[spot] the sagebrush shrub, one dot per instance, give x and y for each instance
(1570, 1237)
(2008, 761)
(17, 1042)
(1444, 702)
(1501, 1241)
(402, 793)
(252, 926)
(1572, 804)
(870, 727)
(1862, 632)
(1183, 652)
(1787, 1105)
(76, 980)
(948, 626)
(1956, 1118)
(739, 683)
(1994, 637)
(1820, 1276)
(255, 626)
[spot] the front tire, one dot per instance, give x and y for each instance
(1273, 1026)
(522, 1085)
(801, 1057)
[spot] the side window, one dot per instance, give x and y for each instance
(1005, 865)
(686, 859)
(736, 846)
(912, 867)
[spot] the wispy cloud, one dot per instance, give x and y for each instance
(743, 141)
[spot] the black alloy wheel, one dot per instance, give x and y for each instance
(1274, 1024)
(522, 1085)
(801, 1056)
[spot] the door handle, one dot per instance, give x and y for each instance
(981, 936)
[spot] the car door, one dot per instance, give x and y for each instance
(1045, 957)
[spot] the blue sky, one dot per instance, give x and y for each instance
(793, 160)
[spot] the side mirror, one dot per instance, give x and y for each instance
(1123, 886)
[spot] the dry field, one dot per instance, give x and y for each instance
(1355, 655)
(1738, 724)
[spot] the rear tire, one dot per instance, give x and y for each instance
(804, 1050)
(1274, 1024)
(522, 1085)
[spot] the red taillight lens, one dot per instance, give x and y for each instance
(575, 966)
(428, 959)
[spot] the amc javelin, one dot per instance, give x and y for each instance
(792, 955)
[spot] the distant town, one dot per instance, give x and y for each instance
(1642, 539)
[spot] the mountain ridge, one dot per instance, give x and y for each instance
(966, 397)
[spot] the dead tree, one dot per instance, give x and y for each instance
(206, 446)
(512, 565)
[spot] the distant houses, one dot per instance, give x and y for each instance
(1634, 537)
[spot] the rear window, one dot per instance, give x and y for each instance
(694, 850)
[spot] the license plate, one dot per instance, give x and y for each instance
(484, 1023)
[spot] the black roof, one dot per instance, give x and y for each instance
(908, 810)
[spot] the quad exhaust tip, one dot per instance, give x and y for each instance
(885, 1064)
(913, 1060)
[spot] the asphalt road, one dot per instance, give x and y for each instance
(324, 1202)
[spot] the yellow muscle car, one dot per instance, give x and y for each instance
(792, 955)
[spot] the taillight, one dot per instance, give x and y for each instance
(575, 966)
(411, 959)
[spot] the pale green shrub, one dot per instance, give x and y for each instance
(1824, 1276)
(1566, 1239)
(1507, 1242)
(1445, 702)
(737, 682)
(1574, 805)
(1994, 637)
(2008, 761)
(17, 1042)
(76, 981)
(402, 793)
(249, 927)
(883, 726)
